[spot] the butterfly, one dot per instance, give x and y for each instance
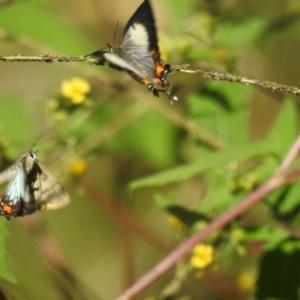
(138, 54)
(31, 188)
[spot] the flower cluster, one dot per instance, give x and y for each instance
(73, 94)
(75, 90)
(203, 256)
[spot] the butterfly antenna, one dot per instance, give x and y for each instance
(35, 144)
(115, 32)
(31, 148)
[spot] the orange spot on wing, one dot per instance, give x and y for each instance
(146, 81)
(159, 70)
(6, 209)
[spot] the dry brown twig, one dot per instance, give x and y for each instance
(213, 75)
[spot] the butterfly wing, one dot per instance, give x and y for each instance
(112, 60)
(140, 31)
(140, 38)
(48, 192)
(12, 201)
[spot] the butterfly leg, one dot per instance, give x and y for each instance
(152, 89)
(167, 91)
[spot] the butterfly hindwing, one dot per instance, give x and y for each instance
(49, 192)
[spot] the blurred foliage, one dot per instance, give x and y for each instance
(129, 165)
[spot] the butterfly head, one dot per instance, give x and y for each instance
(27, 161)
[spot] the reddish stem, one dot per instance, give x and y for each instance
(276, 181)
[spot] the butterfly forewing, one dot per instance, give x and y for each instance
(10, 202)
(139, 35)
(140, 39)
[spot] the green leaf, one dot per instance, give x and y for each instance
(285, 128)
(236, 95)
(272, 236)
(82, 123)
(285, 203)
(184, 215)
(221, 110)
(207, 161)
(279, 276)
(266, 168)
(203, 54)
(28, 18)
(158, 148)
(5, 272)
(291, 200)
(220, 201)
(17, 125)
(242, 34)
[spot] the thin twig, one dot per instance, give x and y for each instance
(46, 58)
(214, 75)
(273, 86)
(172, 115)
(276, 181)
(289, 157)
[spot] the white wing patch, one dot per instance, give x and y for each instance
(116, 60)
(16, 189)
(136, 36)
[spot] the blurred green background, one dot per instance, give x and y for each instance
(142, 156)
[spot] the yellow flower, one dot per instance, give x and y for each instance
(75, 89)
(78, 167)
(203, 256)
(175, 222)
(246, 281)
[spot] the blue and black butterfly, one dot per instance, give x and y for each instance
(138, 53)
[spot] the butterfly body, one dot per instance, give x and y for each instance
(138, 54)
(31, 188)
